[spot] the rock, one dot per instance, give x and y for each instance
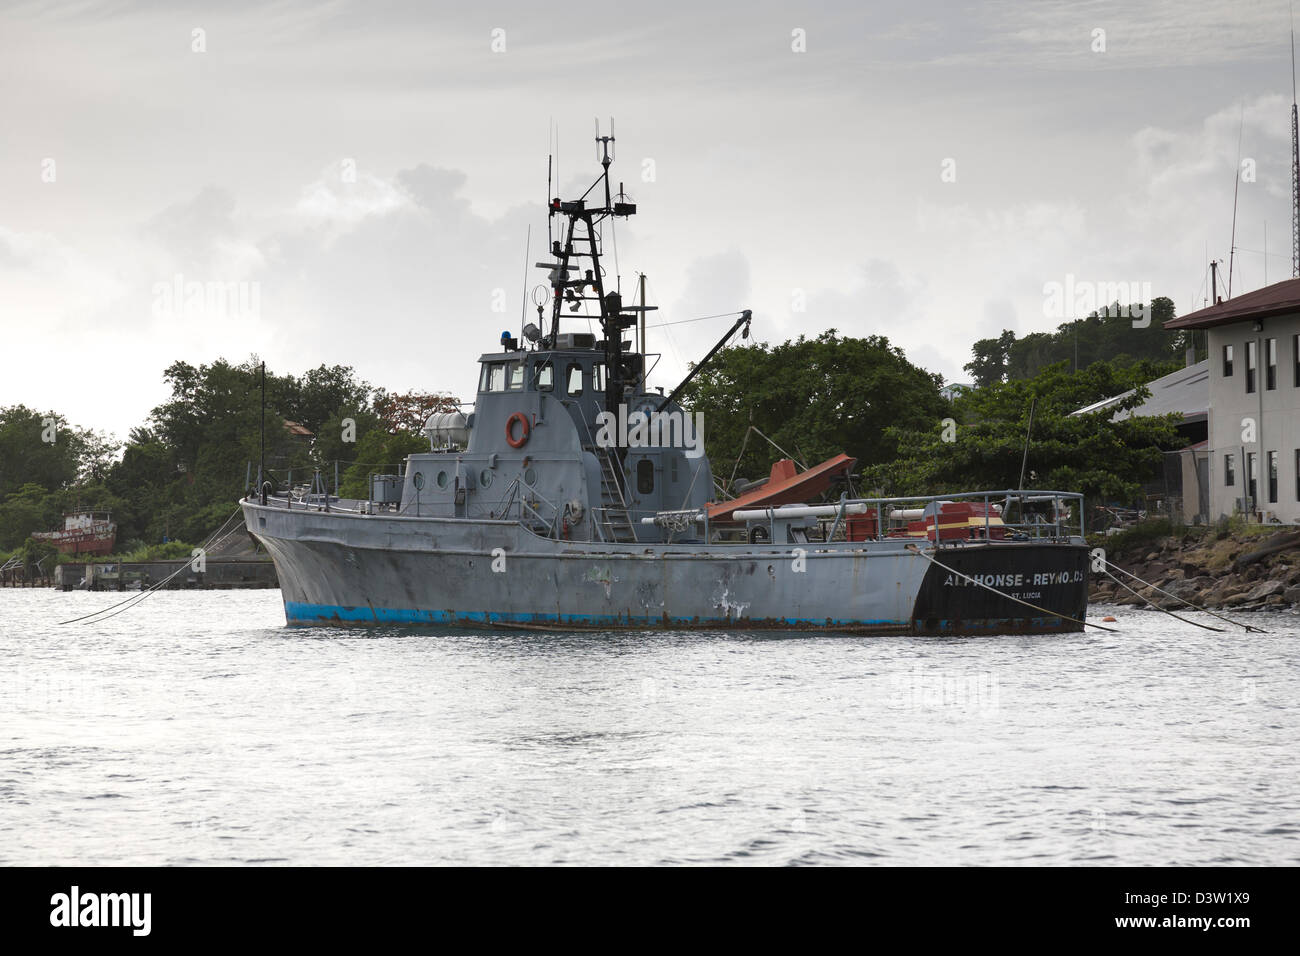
(1233, 599)
(1267, 589)
(1151, 556)
(1128, 598)
(1182, 588)
(1275, 599)
(1291, 595)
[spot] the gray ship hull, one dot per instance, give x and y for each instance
(340, 568)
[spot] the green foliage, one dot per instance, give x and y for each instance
(988, 363)
(30, 508)
(38, 448)
(379, 452)
(1139, 537)
(138, 552)
(38, 554)
(330, 443)
(1105, 336)
(815, 398)
(1104, 459)
(179, 475)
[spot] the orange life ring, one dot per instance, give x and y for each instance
(522, 440)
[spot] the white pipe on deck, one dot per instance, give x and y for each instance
(797, 511)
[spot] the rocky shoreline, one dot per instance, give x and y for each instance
(1246, 570)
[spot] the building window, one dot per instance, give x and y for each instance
(1295, 358)
(1252, 477)
(1230, 470)
(1272, 477)
(1270, 364)
(1227, 359)
(1251, 360)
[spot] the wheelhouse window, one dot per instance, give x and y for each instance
(1272, 477)
(544, 376)
(1251, 360)
(516, 376)
(597, 377)
(645, 476)
(1227, 360)
(573, 376)
(1230, 470)
(1270, 364)
(493, 377)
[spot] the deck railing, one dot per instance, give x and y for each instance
(514, 505)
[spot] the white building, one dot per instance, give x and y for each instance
(1254, 414)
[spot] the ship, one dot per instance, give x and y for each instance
(570, 495)
(84, 532)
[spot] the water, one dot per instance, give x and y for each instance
(197, 729)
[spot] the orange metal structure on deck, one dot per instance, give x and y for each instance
(785, 486)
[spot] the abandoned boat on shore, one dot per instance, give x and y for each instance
(572, 496)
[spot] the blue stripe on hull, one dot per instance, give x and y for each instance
(302, 613)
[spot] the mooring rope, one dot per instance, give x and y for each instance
(138, 598)
(913, 548)
(1160, 609)
(1226, 620)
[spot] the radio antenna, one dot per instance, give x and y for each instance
(523, 293)
(1232, 243)
(1295, 164)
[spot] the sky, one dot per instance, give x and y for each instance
(355, 182)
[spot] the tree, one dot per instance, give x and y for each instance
(323, 392)
(37, 448)
(815, 398)
(331, 440)
(407, 411)
(1124, 334)
(989, 361)
(379, 452)
(1106, 460)
(30, 508)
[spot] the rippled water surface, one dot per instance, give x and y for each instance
(198, 729)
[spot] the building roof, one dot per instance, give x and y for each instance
(1276, 299)
(295, 428)
(1185, 392)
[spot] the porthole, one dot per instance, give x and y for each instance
(441, 479)
(530, 476)
(418, 480)
(485, 477)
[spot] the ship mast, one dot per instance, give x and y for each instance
(576, 274)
